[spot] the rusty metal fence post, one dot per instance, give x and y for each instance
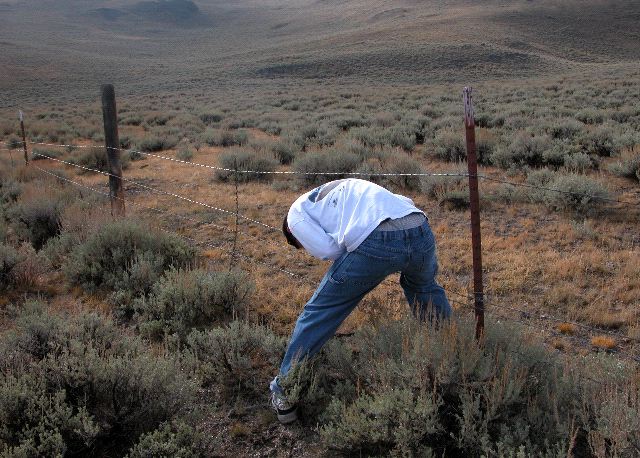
(474, 200)
(112, 145)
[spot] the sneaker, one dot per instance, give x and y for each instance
(287, 412)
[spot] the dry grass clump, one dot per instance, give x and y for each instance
(604, 342)
(567, 328)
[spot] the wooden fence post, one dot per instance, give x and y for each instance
(474, 200)
(112, 146)
(24, 140)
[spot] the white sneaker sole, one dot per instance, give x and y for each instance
(289, 417)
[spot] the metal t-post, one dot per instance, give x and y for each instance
(474, 200)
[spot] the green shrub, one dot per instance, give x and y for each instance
(565, 129)
(38, 220)
(401, 418)
(218, 137)
(284, 152)
(8, 260)
(135, 155)
(410, 390)
(14, 142)
(211, 118)
(347, 121)
(131, 120)
(599, 142)
(364, 152)
(157, 118)
(10, 190)
(126, 258)
(401, 163)
(185, 299)
(436, 186)
(578, 162)
(368, 136)
(557, 152)
(96, 158)
(485, 147)
(240, 159)
(77, 386)
(125, 143)
(176, 440)
(185, 154)
(151, 143)
(93, 158)
(454, 199)
(187, 125)
(541, 177)
(590, 116)
(38, 154)
(571, 192)
(450, 146)
(400, 138)
(627, 168)
(524, 149)
(238, 358)
(340, 164)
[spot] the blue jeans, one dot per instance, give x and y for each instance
(410, 251)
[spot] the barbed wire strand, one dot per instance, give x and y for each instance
(332, 173)
(618, 352)
(561, 191)
(166, 212)
(540, 316)
(466, 296)
(161, 191)
(261, 172)
(292, 274)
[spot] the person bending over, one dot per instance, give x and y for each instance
(369, 233)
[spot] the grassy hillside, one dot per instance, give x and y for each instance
(65, 49)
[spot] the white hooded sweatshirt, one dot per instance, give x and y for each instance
(328, 224)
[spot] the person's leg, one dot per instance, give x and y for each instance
(426, 297)
(348, 280)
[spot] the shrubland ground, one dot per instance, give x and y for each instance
(145, 336)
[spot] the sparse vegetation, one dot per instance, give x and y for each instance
(241, 159)
(37, 219)
(312, 166)
(185, 368)
(218, 137)
(186, 299)
(125, 259)
(185, 154)
(409, 390)
(629, 167)
(78, 385)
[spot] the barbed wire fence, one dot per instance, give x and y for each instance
(464, 301)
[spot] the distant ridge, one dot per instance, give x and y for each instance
(180, 13)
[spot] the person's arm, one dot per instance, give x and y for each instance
(315, 240)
